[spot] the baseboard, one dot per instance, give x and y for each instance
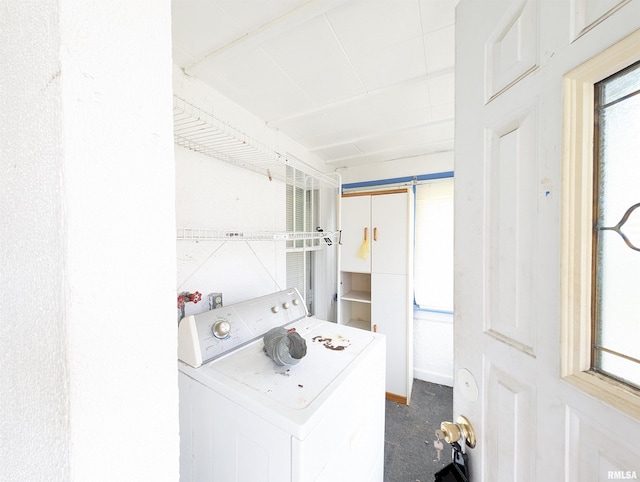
(396, 398)
(426, 376)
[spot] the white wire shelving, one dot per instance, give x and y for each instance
(206, 234)
(202, 132)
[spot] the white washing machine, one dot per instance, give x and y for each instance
(244, 418)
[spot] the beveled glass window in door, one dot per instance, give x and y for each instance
(616, 254)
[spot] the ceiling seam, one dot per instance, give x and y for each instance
(379, 133)
(348, 100)
(256, 32)
(439, 146)
(353, 68)
(424, 51)
(277, 66)
(232, 17)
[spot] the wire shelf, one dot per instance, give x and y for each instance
(200, 131)
(206, 234)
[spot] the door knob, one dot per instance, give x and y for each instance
(450, 432)
(453, 432)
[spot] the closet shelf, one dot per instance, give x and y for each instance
(202, 132)
(358, 296)
(204, 234)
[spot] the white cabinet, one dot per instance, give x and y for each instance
(375, 223)
(390, 226)
(356, 234)
(376, 277)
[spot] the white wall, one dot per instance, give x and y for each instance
(213, 194)
(87, 338)
(428, 164)
(34, 394)
(216, 195)
(432, 332)
(433, 347)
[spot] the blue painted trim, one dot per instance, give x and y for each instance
(426, 310)
(397, 180)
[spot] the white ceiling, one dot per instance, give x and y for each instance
(352, 81)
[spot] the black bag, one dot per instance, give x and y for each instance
(456, 471)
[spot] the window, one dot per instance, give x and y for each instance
(616, 242)
(433, 250)
(599, 272)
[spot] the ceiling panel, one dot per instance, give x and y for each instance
(437, 14)
(314, 60)
(440, 49)
(407, 137)
(383, 40)
(354, 81)
(314, 131)
(365, 27)
(443, 112)
(395, 102)
(192, 23)
(394, 153)
(250, 78)
(344, 151)
(392, 64)
(441, 89)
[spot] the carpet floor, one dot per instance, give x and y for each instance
(409, 454)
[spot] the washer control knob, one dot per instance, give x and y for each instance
(275, 309)
(221, 329)
(295, 302)
(285, 305)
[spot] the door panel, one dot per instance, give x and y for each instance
(356, 224)
(389, 222)
(511, 56)
(390, 318)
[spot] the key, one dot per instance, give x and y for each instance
(438, 445)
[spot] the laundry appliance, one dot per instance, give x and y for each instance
(246, 418)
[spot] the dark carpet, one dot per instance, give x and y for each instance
(409, 453)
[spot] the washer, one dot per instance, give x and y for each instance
(243, 418)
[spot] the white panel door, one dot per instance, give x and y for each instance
(390, 223)
(531, 425)
(355, 252)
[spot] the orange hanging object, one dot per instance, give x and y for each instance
(363, 251)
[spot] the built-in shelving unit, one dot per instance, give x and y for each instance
(375, 276)
(356, 299)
